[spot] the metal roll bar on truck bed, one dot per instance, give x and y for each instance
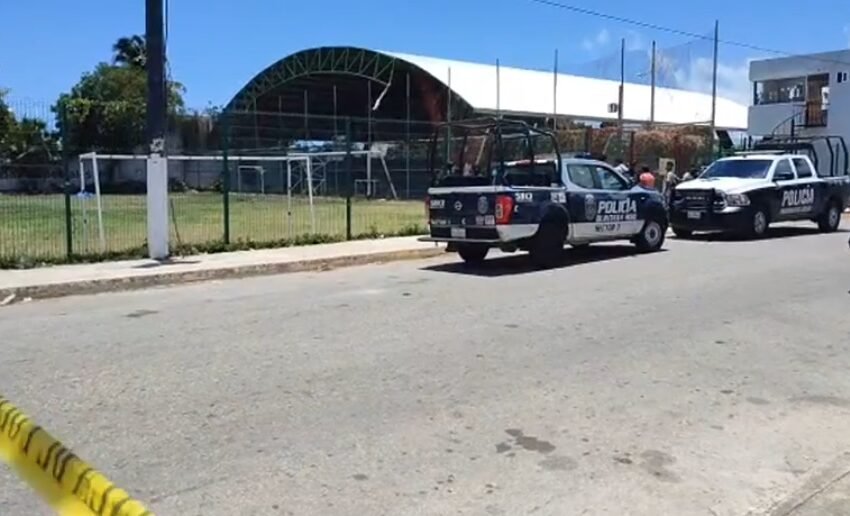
(489, 139)
(793, 144)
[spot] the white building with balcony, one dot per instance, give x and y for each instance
(802, 95)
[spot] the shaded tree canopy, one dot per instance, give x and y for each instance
(105, 110)
(6, 120)
(26, 140)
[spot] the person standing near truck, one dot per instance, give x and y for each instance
(670, 180)
(646, 178)
(621, 167)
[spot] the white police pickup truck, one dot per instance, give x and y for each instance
(747, 192)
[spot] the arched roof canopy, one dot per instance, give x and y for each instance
(309, 94)
(313, 90)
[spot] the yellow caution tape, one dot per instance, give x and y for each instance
(69, 485)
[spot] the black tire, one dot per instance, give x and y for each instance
(759, 222)
(682, 232)
(547, 247)
(829, 220)
(651, 237)
(473, 254)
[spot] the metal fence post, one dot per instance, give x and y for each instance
(349, 178)
(69, 226)
(407, 139)
(407, 160)
(225, 171)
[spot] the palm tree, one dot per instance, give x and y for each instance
(130, 52)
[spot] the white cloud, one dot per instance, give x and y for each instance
(733, 81)
(634, 41)
(600, 40)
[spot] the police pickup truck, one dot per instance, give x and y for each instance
(775, 183)
(503, 184)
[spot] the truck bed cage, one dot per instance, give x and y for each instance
(795, 144)
(494, 132)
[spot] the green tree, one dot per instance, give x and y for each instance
(29, 142)
(7, 119)
(28, 150)
(105, 110)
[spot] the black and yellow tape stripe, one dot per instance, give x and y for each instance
(69, 485)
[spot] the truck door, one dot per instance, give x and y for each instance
(796, 196)
(600, 203)
(806, 175)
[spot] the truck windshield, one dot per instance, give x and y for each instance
(479, 155)
(741, 168)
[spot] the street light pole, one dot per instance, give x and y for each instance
(157, 164)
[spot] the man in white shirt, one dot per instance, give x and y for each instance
(621, 167)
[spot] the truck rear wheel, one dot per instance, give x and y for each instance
(829, 220)
(547, 247)
(473, 254)
(651, 237)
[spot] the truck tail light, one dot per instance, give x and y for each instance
(504, 209)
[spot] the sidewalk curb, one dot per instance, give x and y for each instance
(165, 278)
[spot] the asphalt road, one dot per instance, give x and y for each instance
(710, 379)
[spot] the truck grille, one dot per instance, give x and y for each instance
(698, 200)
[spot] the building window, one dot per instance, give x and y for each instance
(780, 91)
(841, 77)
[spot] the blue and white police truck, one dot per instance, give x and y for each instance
(503, 184)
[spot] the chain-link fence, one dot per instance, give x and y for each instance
(290, 177)
(33, 209)
(685, 147)
(243, 180)
(685, 65)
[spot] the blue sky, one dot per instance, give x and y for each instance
(216, 46)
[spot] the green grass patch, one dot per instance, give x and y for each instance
(33, 228)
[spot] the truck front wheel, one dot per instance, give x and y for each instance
(472, 254)
(829, 220)
(759, 223)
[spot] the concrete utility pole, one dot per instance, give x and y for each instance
(157, 165)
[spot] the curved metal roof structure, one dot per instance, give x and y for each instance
(357, 82)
